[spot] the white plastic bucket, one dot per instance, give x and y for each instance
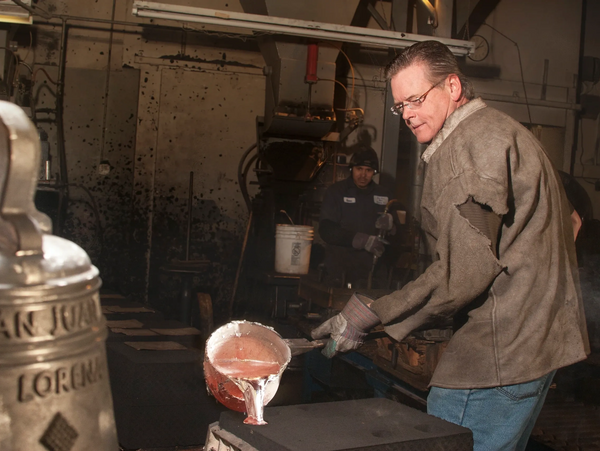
(292, 248)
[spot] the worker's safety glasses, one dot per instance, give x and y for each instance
(415, 104)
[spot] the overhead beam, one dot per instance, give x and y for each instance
(294, 27)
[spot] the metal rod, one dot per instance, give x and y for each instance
(577, 117)
(37, 11)
(66, 17)
(107, 84)
(533, 102)
(60, 130)
(378, 18)
(309, 100)
(409, 394)
(545, 79)
(59, 102)
(189, 218)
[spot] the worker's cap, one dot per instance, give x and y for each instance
(365, 156)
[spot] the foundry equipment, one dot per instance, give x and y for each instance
(376, 424)
(53, 371)
(295, 156)
(243, 363)
(301, 149)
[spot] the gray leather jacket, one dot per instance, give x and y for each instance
(524, 310)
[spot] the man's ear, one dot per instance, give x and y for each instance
(455, 87)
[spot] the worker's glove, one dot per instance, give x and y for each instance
(386, 222)
(349, 328)
(370, 243)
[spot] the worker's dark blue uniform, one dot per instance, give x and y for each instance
(347, 210)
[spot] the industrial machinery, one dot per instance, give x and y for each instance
(295, 149)
(301, 149)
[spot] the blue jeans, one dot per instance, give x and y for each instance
(501, 418)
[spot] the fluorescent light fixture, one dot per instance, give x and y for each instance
(294, 27)
(12, 13)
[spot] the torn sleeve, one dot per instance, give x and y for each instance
(466, 266)
(483, 219)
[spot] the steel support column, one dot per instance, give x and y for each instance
(400, 15)
(478, 16)
(390, 142)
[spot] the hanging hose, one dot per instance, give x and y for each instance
(252, 159)
(243, 168)
(231, 309)
(242, 178)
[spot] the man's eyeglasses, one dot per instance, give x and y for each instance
(415, 104)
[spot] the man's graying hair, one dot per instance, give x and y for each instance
(438, 59)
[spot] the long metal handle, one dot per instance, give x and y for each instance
(301, 345)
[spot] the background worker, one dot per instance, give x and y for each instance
(351, 218)
(499, 230)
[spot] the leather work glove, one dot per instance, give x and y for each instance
(370, 243)
(348, 328)
(386, 222)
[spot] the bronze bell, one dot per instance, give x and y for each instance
(54, 383)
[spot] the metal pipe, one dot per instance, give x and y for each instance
(545, 79)
(577, 118)
(37, 11)
(59, 100)
(377, 17)
(60, 129)
(312, 61)
(66, 17)
(544, 103)
(445, 13)
(107, 85)
(189, 218)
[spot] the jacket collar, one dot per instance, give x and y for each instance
(451, 123)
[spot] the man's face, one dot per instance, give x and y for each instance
(428, 119)
(362, 176)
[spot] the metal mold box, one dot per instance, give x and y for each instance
(376, 424)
